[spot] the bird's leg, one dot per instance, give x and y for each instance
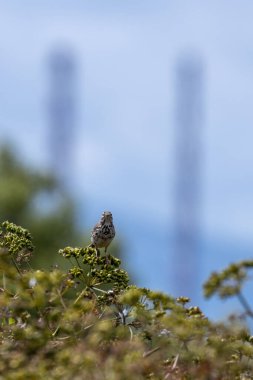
(106, 256)
(96, 249)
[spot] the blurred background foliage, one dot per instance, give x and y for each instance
(40, 203)
(37, 201)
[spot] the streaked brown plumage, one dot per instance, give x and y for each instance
(103, 232)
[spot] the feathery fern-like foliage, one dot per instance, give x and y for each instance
(89, 323)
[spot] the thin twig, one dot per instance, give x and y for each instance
(83, 280)
(99, 290)
(61, 299)
(175, 362)
(78, 263)
(29, 265)
(148, 353)
(4, 282)
(80, 296)
(172, 369)
(245, 304)
(56, 330)
(16, 266)
(131, 333)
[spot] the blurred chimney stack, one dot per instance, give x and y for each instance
(62, 113)
(186, 263)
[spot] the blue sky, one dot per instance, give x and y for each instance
(126, 55)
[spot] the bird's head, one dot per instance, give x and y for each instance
(106, 217)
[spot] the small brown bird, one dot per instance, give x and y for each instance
(103, 232)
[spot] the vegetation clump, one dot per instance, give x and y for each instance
(88, 322)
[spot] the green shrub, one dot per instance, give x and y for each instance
(89, 323)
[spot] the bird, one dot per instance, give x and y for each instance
(103, 232)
